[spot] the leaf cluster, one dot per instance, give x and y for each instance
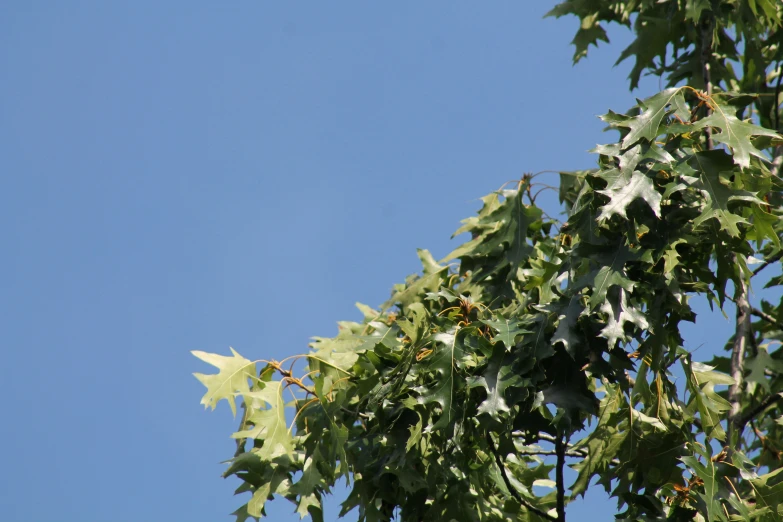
(538, 344)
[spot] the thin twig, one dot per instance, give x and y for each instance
(510, 486)
(559, 481)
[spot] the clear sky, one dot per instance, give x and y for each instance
(194, 175)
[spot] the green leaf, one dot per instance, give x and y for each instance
(623, 192)
(769, 490)
(647, 124)
(309, 505)
(507, 331)
(417, 289)
(415, 434)
(230, 380)
(502, 226)
(311, 478)
(711, 498)
(497, 377)
(587, 35)
(646, 419)
(277, 483)
(603, 444)
(649, 44)
(266, 415)
(612, 273)
(701, 380)
(735, 134)
(443, 363)
(671, 256)
(590, 31)
(764, 226)
(428, 262)
(707, 374)
(710, 165)
(694, 8)
(758, 366)
(618, 313)
(566, 329)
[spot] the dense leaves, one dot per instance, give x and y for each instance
(538, 344)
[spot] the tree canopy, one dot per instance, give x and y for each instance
(540, 344)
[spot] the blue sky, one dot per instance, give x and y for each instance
(181, 176)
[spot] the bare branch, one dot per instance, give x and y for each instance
(777, 161)
(511, 488)
(579, 454)
(559, 481)
(571, 449)
(765, 316)
(777, 98)
(742, 332)
(777, 256)
(755, 411)
(707, 26)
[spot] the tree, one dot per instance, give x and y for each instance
(538, 345)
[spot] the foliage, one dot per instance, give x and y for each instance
(538, 344)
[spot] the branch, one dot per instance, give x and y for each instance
(541, 436)
(571, 451)
(777, 256)
(750, 415)
(765, 316)
(777, 98)
(579, 454)
(706, 54)
(777, 162)
(514, 493)
(742, 332)
(561, 451)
